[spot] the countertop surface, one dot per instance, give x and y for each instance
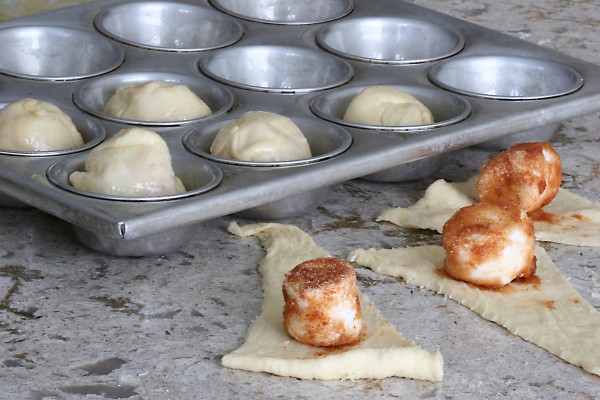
(75, 323)
(20, 8)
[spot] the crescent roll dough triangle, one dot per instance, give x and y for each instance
(268, 348)
(568, 219)
(546, 311)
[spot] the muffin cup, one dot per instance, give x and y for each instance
(166, 26)
(285, 12)
(276, 69)
(91, 131)
(446, 108)
(503, 77)
(56, 53)
(390, 40)
(197, 177)
(92, 96)
(325, 140)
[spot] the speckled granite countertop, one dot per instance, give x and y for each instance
(20, 8)
(75, 323)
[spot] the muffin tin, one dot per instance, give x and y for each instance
(305, 60)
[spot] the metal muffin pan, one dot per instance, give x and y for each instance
(280, 64)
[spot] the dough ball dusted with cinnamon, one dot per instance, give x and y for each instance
(322, 307)
(489, 245)
(526, 176)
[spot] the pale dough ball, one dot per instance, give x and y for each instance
(527, 176)
(321, 304)
(261, 136)
(386, 106)
(34, 125)
(489, 245)
(156, 101)
(135, 162)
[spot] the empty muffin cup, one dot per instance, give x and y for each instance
(325, 140)
(506, 77)
(56, 53)
(286, 12)
(446, 108)
(167, 26)
(276, 69)
(390, 40)
(92, 96)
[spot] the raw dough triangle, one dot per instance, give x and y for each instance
(546, 311)
(268, 348)
(568, 219)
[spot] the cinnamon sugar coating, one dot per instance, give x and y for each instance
(526, 176)
(322, 307)
(489, 245)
